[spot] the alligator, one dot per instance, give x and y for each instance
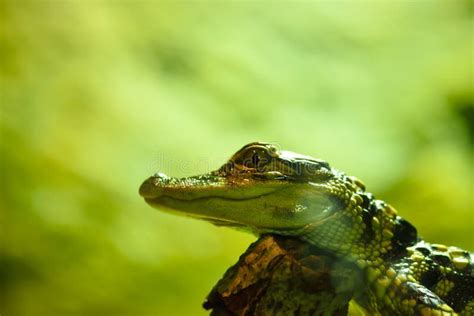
(265, 190)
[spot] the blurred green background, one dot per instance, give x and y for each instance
(98, 95)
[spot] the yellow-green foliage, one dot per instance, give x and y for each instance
(97, 95)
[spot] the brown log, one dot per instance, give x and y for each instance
(284, 276)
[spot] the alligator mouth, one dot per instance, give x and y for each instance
(205, 186)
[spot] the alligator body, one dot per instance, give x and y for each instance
(265, 190)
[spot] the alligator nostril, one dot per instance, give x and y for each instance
(160, 175)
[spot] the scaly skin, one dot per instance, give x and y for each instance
(265, 190)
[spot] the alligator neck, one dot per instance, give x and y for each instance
(367, 229)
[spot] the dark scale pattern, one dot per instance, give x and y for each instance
(367, 198)
(368, 231)
(425, 250)
(431, 277)
(369, 210)
(404, 234)
(463, 291)
(423, 296)
(442, 273)
(441, 258)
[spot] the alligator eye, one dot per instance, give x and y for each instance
(257, 160)
(254, 158)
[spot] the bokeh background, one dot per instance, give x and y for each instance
(98, 95)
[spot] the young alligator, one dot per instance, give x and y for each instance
(269, 191)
